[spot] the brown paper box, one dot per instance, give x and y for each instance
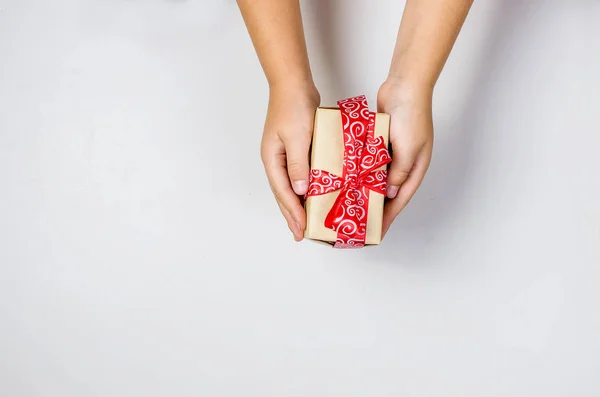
(328, 154)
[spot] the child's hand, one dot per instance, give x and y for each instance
(411, 137)
(285, 150)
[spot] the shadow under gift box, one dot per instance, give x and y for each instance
(328, 154)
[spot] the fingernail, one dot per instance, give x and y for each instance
(300, 187)
(392, 191)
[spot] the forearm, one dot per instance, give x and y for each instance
(427, 33)
(275, 27)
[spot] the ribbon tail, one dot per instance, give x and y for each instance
(336, 214)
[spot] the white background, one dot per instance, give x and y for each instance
(141, 252)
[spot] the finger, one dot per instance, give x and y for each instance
(275, 167)
(400, 168)
(407, 190)
(292, 225)
(296, 148)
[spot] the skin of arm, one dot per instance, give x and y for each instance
(276, 30)
(426, 36)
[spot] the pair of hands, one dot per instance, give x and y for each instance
(288, 133)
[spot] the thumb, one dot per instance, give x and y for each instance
(297, 148)
(399, 170)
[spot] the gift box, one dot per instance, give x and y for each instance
(349, 157)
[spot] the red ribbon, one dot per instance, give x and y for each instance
(363, 155)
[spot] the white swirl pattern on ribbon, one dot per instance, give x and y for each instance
(323, 182)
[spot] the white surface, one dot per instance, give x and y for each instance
(142, 254)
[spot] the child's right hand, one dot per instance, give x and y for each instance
(285, 149)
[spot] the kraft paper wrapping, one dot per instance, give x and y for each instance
(328, 154)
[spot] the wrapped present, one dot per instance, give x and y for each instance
(344, 203)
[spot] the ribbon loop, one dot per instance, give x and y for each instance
(364, 154)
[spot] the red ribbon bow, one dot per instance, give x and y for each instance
(363, 155)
